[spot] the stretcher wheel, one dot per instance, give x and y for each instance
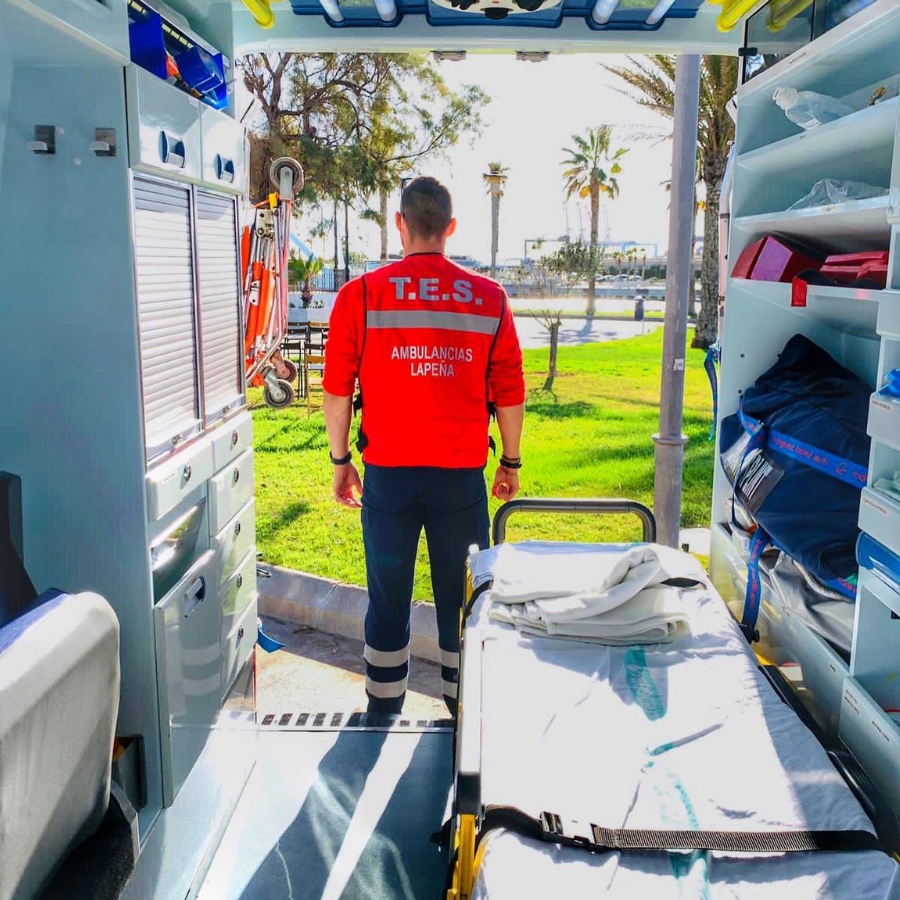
(286, 369)
(281, 397)
(296, 170)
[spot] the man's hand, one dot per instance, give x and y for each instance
(346, 478)
(506, 484)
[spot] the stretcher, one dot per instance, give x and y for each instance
(676, 770)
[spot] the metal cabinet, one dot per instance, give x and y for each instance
(215, 219)
(164, 268)
(189, 669)
(186, 266)
(163, 127)
(223, 163)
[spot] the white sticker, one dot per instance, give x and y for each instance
(679, 365)
(873, 504)
(886, 405)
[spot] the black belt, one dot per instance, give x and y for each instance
(549, 828)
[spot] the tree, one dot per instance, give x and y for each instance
(357, 122)
(652, 81)
(302, 271)
(572, 263)
(495, 178)
(551, 320)
(591, 169)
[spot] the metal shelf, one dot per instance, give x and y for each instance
(857, 224)
(827, 142)
(852, 310)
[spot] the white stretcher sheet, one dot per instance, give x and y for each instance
(683, 735)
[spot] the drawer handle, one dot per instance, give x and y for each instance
(186, 473)
(236, 477)
(237, 529)
(194, 596)
(235, 437)
(224, 169)
(171, 150)
(239, 581)
(240, 634)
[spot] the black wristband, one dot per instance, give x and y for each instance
(342, 461)
(507, 463)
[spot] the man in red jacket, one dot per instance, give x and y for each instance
(434, 347)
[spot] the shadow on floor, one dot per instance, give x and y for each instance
(319, 672)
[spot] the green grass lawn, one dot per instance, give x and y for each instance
(591, 437)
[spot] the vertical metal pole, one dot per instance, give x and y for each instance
(670, 440)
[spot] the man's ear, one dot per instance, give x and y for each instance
(398, 221)
(451, 229)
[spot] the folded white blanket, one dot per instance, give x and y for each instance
(655, 615)
(567, 583)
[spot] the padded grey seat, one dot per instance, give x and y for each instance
(59, 697)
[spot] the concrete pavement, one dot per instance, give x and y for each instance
(581, 331)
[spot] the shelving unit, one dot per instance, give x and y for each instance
(776, 165)
(856, 224)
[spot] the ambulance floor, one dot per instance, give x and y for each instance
(335, 815)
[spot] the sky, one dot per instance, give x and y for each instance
(535, 109)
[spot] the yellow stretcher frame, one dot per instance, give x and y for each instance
(467, 789)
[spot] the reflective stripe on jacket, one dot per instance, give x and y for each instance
(431, 343)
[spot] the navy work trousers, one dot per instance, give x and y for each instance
(451, 505)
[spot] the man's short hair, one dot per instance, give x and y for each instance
(426, 206)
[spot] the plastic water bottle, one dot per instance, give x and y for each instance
(808, 109)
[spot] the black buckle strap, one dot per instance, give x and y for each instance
(549, 828)
(481, 589)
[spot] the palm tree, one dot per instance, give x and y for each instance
(495, 178)
(652, 80)
(586, 177)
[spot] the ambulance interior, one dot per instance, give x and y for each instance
(128, 565)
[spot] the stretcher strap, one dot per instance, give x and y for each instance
(752, 598)
(549, 828)
(481, 589)
(713, 355)
(836, 466)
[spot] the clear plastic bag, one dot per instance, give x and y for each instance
(830, 190)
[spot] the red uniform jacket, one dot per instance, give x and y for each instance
(431, 344)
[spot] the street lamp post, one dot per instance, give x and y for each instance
(495, 180)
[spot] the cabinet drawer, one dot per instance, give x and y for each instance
(171, 482)
(238, 645)
(237, 593)
(189, 677)
(232, 439)
(223, 150)
(163, 127)
(183, 536)
(235, 540)
(103, 21)
(873, 738)
(230, 490)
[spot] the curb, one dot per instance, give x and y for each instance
(336, 608)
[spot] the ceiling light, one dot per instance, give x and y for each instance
(659, 11)
(387, 10)
(603, 10)
(332, 10)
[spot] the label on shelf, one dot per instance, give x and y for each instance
(886, 405)
(880, 508)
(850, 700)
